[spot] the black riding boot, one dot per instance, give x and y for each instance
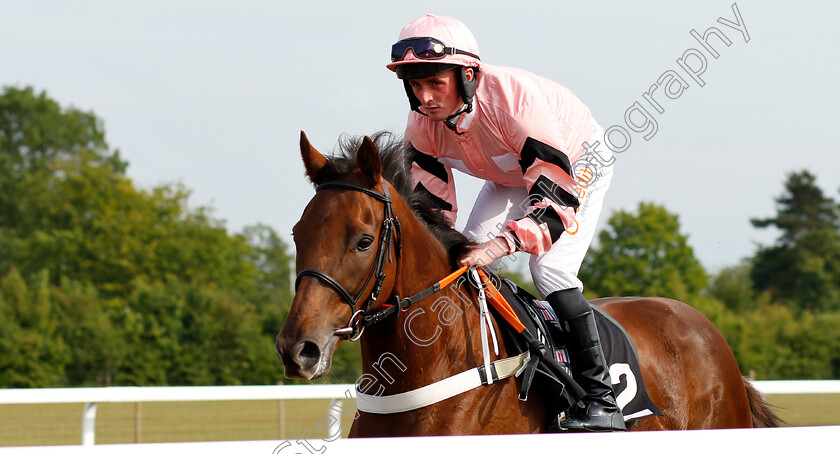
(589, 369)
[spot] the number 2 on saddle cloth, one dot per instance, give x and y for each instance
(532, 325)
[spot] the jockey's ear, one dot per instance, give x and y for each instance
(470, 74)
(312, 159)
(367, 158)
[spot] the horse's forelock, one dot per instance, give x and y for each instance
(396, 168)
(392, 152)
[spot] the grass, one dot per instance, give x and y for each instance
(801, 410)
(61, 424)
(149, 422)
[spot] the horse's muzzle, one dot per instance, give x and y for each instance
(303, 359)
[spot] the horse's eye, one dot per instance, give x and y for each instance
(364, 243)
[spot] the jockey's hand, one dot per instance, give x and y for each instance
(484, 254)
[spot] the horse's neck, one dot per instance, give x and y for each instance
(423, 261)
(435, 338)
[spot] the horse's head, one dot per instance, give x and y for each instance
(345, 254)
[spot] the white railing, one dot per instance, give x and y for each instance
(336, 393)
(93, 396)
(798, 386)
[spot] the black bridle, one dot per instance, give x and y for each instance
(390, 231)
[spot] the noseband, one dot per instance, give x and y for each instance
(390, 230)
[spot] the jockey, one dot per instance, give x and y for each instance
(533, 142)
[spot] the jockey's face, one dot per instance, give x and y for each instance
(438, 94)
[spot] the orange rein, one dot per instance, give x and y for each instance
(500, 303)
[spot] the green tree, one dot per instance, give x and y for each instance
(801, 210)
(643, 254)
(32, 354)
(76, 214)
(776, 343)
(95, 344)
(803, 267)
(35, 133)
(272, 293)
(107, 284)
(734, 288)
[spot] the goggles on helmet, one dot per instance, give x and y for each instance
(424, 49)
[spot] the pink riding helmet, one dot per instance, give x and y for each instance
(448, 30)
(433, 44)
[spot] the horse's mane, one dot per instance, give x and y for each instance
(396, 168)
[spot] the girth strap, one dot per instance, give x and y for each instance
(441, 390)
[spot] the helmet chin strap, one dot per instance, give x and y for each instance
(466, 108)
(448, 121)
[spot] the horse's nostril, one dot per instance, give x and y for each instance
(306, 354)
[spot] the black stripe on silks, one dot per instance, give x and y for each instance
(544, 187)
(516, 241)
(436, 201)
(512, 235)
(549, 217)
(429, 164)
(533, 149)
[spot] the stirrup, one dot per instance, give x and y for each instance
(592, 419)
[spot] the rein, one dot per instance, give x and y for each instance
(361, 317)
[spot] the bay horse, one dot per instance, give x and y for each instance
(365, 239)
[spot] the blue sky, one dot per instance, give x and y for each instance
(214, 94)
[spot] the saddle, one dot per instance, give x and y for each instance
(551, 367)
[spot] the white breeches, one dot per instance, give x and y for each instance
(557, 269)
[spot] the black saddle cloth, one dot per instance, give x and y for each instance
(619, 350)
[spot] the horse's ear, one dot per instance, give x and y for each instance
(367, 158)
(312, 159)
